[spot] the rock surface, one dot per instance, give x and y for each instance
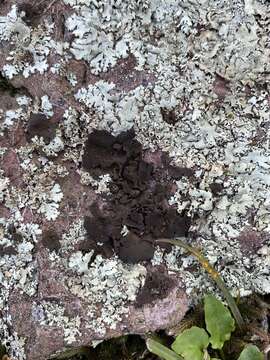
(122, 122)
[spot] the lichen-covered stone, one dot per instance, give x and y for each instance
(190, 81)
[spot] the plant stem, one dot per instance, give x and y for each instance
(215, 276)
(162, 351)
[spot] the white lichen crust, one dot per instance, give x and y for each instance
(108, 285)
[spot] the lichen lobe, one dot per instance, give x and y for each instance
(138, 199)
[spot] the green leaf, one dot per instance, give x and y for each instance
(191, 343)
(251, 352)
(219, 321)
(162, 351)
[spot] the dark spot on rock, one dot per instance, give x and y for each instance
(156, 287)
(6, 86)
(178, 172)
(39, 125)
(72, 202)
(51, 240)
(176, 224)
(199, 28)
(32, 13)
(104, 152)
(28, 58)
(133, 249)
(99, 226)
(139, 198)
(97, 147)
(216, 188)
(7, 250)
(169, 116)
(145, 82)
(14, 234)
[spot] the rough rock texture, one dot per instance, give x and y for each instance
(121, 122)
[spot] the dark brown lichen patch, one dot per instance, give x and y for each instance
(14, 234)
(216, 188)
(7, 250)
(31, 13)
(51, 240)
(40, 126)
(156, 287)
(132, 248)
(6, 86)
(137, 212)
(169, 116)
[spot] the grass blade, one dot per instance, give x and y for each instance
(162, 351)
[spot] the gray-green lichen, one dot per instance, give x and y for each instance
(108, 282)
(198, 45)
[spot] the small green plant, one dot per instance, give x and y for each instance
(198, 343)
(213, 274)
